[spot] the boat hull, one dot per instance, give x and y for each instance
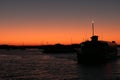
(96, 58)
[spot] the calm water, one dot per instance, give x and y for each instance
(52, 67)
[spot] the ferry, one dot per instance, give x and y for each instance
(96, 50)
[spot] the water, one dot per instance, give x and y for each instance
(34, 65)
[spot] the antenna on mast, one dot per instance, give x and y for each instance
(94, 37)
(92, 27)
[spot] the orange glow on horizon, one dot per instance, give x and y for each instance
(52, 33)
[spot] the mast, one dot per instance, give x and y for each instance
(94, 38)
(92, 28)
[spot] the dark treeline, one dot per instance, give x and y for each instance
(57, 48)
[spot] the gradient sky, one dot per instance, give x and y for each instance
(34, 22)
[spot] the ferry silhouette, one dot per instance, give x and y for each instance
(96, 50)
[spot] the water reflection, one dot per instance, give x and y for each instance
(54, 67)
(107, 71)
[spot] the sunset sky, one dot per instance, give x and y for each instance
(36, 22)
